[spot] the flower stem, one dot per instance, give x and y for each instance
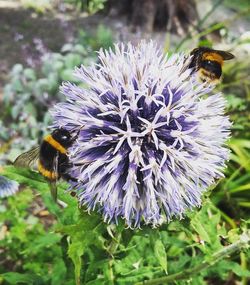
(243, 242)
(111, 250)
(243, 261)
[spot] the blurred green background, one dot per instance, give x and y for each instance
(41, 42)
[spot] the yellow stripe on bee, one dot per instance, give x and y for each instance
(213, 56)
(52, 175)
(55, 144)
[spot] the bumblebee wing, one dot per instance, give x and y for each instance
(7, 187)
(27, 159)
(195, 51)
(188, 63)
(225, 54)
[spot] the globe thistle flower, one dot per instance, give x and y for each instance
(7, 187)
(150, 139)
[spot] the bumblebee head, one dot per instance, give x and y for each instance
(63, 137)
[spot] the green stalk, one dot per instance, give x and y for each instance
(243, 242)
(243, 261)
(244, 204)
(230, 221)
(112, 248)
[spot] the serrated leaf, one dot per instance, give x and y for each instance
(26, 176)
(75, 252)
(84, 233)
(200, 229)
(59, 272)
(160, 254)
(45, 242)
(26, 278)
(239, 271)
(141, 274)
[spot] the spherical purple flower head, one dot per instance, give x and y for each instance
(150, 140)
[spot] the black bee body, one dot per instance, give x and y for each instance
(51, 157)
(53, 160)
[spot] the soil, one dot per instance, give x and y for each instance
(21, 30)
(24, 33)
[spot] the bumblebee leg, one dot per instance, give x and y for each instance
(67, 177)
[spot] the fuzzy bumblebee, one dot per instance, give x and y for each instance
(207, 63)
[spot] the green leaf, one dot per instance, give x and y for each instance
(141, 274)
(245, 187)
(29, 73)
(72, 60)
(30, 109)
(233, 235)
(17, 85)
(198, 226)
(67, 75)
(59, 272)
(27, 177)
(45, 242)
(160, 254)
(17, 278)
(75, 252)
(84, 233)
(17, 68)
(239, 271)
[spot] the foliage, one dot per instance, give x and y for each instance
(103, 254)
(96, 5)
(39, 6)
(103, 38)
(42, 243)
(31, 92)
(241, 5)
(34, 91)
(91, 6)
(232, 194)
(44, 6)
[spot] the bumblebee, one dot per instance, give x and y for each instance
(51, 157)
(207, 63)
